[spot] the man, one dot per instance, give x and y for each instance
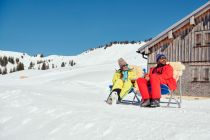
(122, 81)
(149, 86)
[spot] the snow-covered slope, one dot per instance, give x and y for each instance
(50, 61)
(110, 55)
(97, 56)
(69, 104)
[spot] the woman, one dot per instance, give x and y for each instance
(122, 82)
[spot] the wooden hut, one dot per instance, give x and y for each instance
(187, 41)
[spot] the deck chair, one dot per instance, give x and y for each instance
(134, 89)
(136, 99)
(178, 68)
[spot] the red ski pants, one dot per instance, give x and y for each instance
(155, 82)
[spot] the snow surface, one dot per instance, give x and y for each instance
(69, 104)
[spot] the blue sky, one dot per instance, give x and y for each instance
(69, 27)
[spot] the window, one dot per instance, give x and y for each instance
(202, 38)
(198, 39)
(195, 75)
(206, 74)
(200, 73)
(207, 38)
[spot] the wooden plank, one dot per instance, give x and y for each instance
(182, 50)
(186, 48)
(208, 54)
(173, 53)
(170, 50)
(190, 46)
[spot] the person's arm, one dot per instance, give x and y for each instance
(116, 76)
(167, 73)
(147, 75)
(132, 75)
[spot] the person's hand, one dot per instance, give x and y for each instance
(147, 77)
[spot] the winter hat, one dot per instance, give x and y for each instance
(121, 62)
(158, 56)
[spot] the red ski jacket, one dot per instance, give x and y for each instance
(165, 73)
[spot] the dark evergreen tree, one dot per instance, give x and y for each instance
(62, 64)
(1, 61)
(72, 63)
(4, 71)
(31, 65)
(39, 61)
(10, 71)
(132, 42)
(17, 60)
(44, 67)
(14, 69)
(11, 60)
(20, 66)
(41, 55)
(4, 61)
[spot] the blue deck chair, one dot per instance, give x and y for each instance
(135, 100)
(178, 67)
(166, 91)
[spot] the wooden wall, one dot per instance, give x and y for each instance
(183, 47)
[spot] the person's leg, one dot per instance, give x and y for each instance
(143, 88)
(155, 82)
(144, 91)
(117, 90)
(155, 86)
(126, 88)
(117, 85)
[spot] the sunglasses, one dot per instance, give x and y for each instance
(124, 65)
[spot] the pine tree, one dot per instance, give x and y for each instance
(4, 71)
(0, 71)
(20, 66)
(43, 66)
(41, 55)
(11, 60)
(14, 69)
(1, 61)
(5, 61)
(31, 65)
(10, 71)
(133, 42)
(63, 64)
(47, 66)
(39, 61)
(72, 63)
(17, 60)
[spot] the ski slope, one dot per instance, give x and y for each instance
(69, 104)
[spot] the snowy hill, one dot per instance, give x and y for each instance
(111, 54)
(97, 56)
(10, 61)
(69, 104)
